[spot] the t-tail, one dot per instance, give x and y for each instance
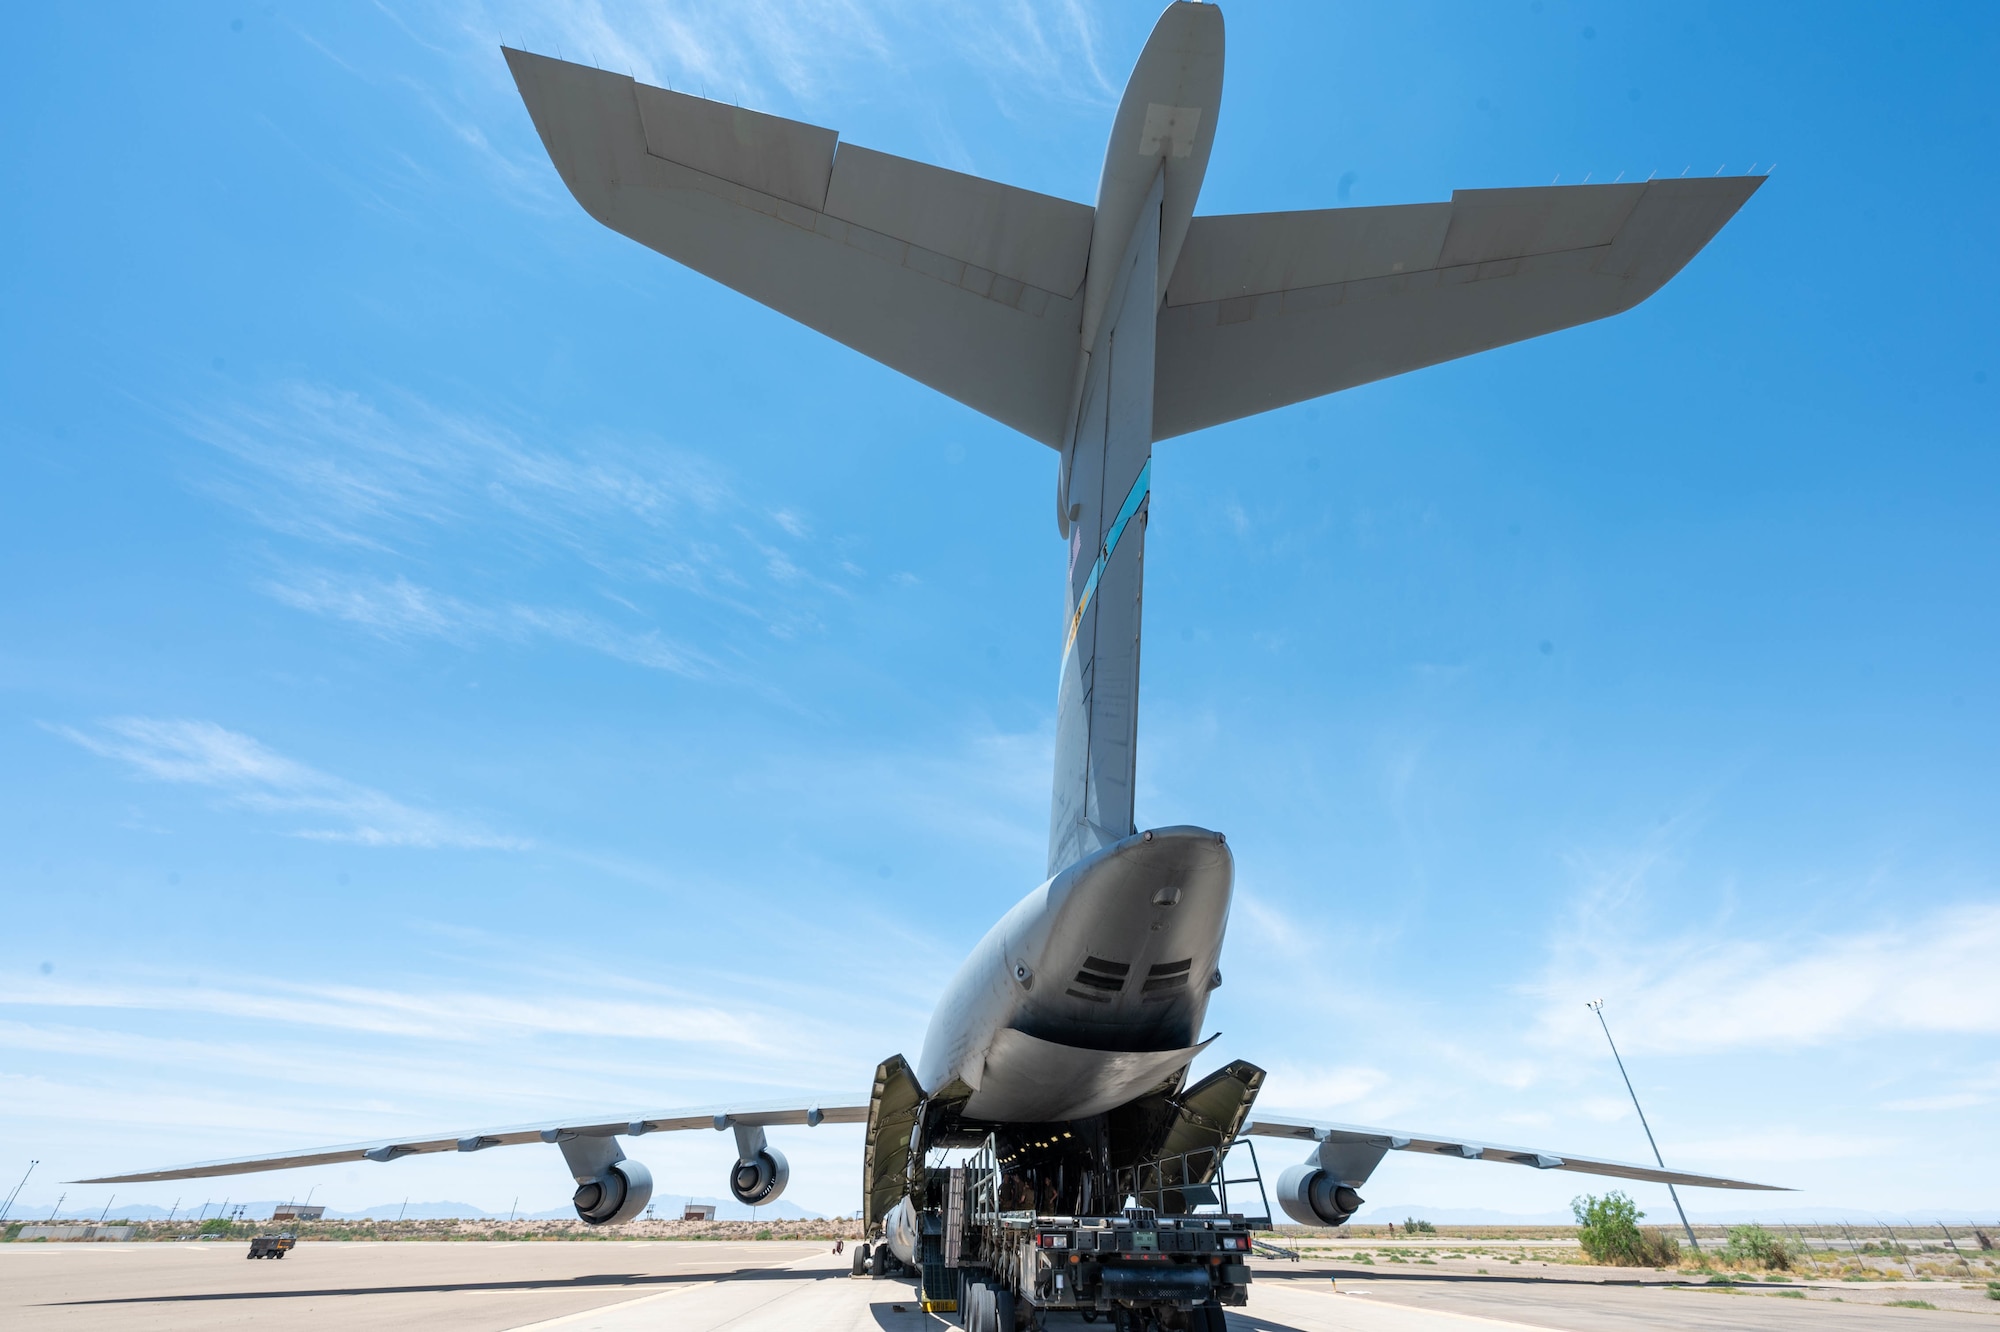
(1153, 167)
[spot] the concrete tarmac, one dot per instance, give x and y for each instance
(765, 1287)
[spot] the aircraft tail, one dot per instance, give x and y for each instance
(1107, 482)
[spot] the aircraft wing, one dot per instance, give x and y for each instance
(1466, 1149)
(1266, 309)
(763, 1115)
(965, 284)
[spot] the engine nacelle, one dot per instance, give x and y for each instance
(899, 1232)
(1312, 1197)
(761, 1178)
(617, 1193)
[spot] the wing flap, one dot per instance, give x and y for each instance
(1488, 225)
(756, 202)
(786, 158)
(1249, 254)
(1272, 309)
(832, 1110)
(1033, 238)
(1471, 1150)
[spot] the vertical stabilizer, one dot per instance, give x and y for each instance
(1107, 481)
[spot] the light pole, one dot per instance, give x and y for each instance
(9, 1206)
(1597, 1006)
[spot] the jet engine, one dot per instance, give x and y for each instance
(761, 1171)
(1312, 1197)
(616, 1193)
(759, 1179)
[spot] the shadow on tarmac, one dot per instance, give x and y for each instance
(1495, 1279)
(634, 1280)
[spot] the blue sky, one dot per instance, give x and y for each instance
(458, 668)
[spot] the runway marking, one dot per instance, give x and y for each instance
(611, 1308)
(603, 1309)
(1389, 1314)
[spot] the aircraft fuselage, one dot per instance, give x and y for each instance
(1092, 989)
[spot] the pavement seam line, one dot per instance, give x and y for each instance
(581, 1314)
(1441, 1313)
(607, 1308)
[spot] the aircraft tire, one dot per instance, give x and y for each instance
(860, 1263)
(978, 1312)
(880, 1265)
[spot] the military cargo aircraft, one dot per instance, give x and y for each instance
(1063, 1043)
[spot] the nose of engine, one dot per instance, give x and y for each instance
(1126, 954)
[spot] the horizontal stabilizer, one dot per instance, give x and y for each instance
(1266, 309)
(968, 285)
(1468, 1150)
(833, 1110)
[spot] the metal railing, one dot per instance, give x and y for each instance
(982, 1183)
(1196, 1179)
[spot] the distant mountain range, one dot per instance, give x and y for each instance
(1392, 1213)
(666, 1208)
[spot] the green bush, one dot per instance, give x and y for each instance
(1609, 1233)
(1754, 1244)
(1412, 1226)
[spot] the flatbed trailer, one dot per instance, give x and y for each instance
(1172, 1266)
(1137, 1270)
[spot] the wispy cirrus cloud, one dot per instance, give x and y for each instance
(341, 467)
(442, 1014)
(653, 536)
(396, 607)
(1711, 988)
(249, 776)
(801, 51)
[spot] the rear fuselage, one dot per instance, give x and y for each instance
(1092, 989)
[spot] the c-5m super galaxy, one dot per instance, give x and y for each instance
(1059, 1053)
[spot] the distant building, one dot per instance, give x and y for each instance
(698, 1212)
(296, 1212)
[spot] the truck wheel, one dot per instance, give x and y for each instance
(1210, 1316)
(1003, 1310)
